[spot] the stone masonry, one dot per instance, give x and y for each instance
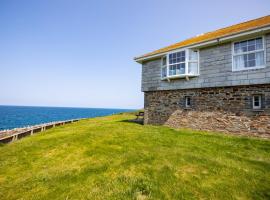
(226, 109)
(221, 99)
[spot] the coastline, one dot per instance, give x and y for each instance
(7, 136)
(12, 117)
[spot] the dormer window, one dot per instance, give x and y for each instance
(180, 64)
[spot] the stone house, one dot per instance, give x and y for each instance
(218, 80)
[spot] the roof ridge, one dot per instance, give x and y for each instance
(241, 23)
(229, 30)
(220, 29)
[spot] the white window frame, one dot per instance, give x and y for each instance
(186, 101)
(243, 53)
(187, 61)
(260, 102)
(163, 66)
(177, 63)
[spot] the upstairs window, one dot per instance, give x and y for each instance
(248, 54)
(193, 62)
(179, 63)
(164, 67)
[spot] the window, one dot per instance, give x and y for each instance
(193, 62)
(187, 102)
(177, 63)
(257, 102)
(183, 62)
(248, 54)
(164, 67)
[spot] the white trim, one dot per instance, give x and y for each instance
(177, 63)
(248, 68)
(180, 76)
(186, 62)
(163, 66)
(243, 53)
(226, 38)
(260, 102)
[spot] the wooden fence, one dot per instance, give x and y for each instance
(34, 129)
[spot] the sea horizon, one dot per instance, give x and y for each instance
(18, 116)
(69, 107)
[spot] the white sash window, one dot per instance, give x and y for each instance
(180, 64)
(248, 54)
(164, 67)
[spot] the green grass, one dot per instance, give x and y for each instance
(110, 158)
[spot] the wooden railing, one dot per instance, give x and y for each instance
(33, 130)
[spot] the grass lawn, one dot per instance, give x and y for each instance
(110, 158)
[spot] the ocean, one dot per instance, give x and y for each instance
(21, 116)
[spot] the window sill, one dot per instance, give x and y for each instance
(257, 110)
(180, 76)
(248, 69)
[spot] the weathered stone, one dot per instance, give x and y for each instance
(225, 109)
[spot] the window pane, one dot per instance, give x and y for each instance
(251, 45)
(188, 101)
(257, 102)
(164, 61)
(177, 69)
(259, 58)
(238, 62)
(193, 68)
(193, 55)
(251, 48)
(172, 70)
(251, 42)
(182, 68)
(259, 43)
(164, 72)
(177, 57)
(236, 47)
(243, 46)
(251, 63)
(251, 56)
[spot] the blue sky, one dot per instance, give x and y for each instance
(80, 53)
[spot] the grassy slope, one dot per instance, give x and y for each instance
(108, 158)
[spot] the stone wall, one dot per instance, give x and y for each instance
(215, 71)
(226, 109)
